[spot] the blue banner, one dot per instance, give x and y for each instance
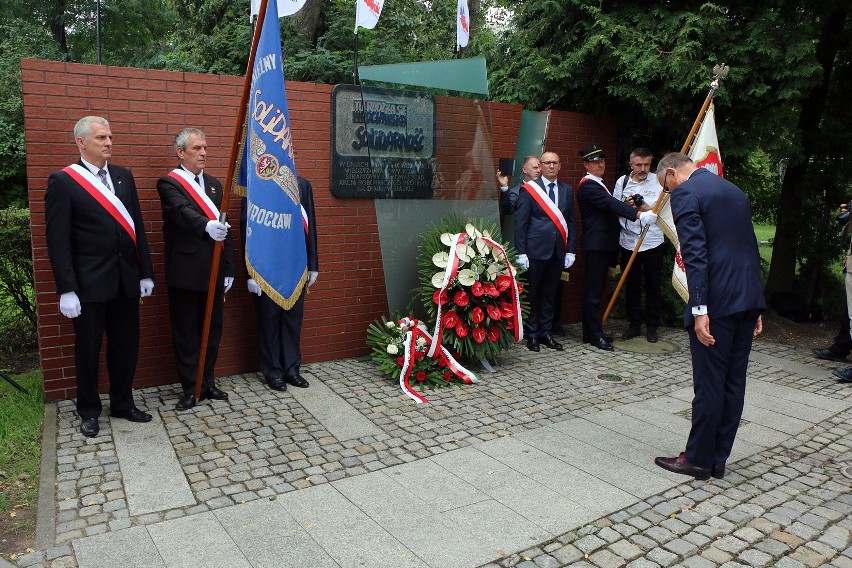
(276, 255)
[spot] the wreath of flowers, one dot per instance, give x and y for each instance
(480, 301)
(400, 347)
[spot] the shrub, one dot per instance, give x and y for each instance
(16, 265)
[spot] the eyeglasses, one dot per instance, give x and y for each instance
(550, 163)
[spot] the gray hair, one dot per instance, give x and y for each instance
(84, 125)
(672, 160)
(182, 138)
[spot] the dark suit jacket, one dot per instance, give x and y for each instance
(306, 197)
(509, 199)
(535, 234)
(188, 247)
(718, 246)
(600, 212)
(91, 254)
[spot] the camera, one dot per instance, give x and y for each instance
(638, 200)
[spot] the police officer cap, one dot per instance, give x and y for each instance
(592, 153)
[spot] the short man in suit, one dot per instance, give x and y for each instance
(191, 229)
(719, 250)
(545, 240)
(647, 266)
(279, 331)
(99, 255)
(509, 195)
(600, 212)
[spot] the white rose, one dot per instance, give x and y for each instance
(393, 349)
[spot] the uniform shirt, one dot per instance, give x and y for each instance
(650, 189)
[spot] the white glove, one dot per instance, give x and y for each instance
(229, 281)
(570, 257)
(69, 305)
(254, 287)
(648, 217)
(312, 277)
(217, 231)
(146, 287)
(523, 261)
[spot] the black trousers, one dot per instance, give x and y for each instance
(598, 263)
(843, 342)
(648, 268)
(279, 333)
(119, 320)
(187, 308)
(719, 383)
(543, 278)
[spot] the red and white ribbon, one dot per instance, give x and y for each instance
(450, 273)
(516, 296)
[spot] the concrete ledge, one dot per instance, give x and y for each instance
(46, 513)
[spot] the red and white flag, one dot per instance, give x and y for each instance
(285, 7)
(462, 24)
(367, 13)
(705, 153)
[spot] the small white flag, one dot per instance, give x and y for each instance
(285, 7)
(367, 13)
(462, 24)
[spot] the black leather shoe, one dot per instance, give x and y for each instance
(845, 375)
(186, 402)
(277, 384)
(652, 336)
(296, 381)
(89, 427)
(607, 337)
(213, 394)
(133, 414)
(532, 345)
(682, 466)
(829, 355)
(601, 343)
(551, 343)
(632, 331)
(718, 471)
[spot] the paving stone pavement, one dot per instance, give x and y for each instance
(784, 501)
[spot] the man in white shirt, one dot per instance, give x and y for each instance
(648, 264)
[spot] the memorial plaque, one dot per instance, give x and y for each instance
(383, 143)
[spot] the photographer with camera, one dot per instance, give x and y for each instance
(839, 350)
(636, 188)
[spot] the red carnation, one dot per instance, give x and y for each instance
(504, 282)
(461, 329)
(494, 312)
(420, 376)
(477, 315)
(419, 355)
(477, 289)
(460, 299)
(493, 333)
(491, 290)
(448, 376)
(451, 319)
(478, 334)
(442, 362)
(400, 361)
(444, 298)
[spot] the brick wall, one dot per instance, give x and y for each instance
(147, 107)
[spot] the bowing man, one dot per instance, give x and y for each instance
(99, 255)
(544, 239)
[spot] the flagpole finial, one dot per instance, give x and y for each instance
(720, 71)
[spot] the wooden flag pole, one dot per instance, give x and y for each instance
(226, 198)
(719, 72)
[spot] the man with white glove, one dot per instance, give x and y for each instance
(191, 230)
(102, 266)
(544, 239)
(279, 331)
(600, 212)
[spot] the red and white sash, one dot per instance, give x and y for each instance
(594, 179)
(305, 223)
(187, 181)
(102, 194)
(549, 208)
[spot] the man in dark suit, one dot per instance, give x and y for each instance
(279, 331)
(722, 263)
(544, 239)
(509, 195)
(101, 264)
(191, 229)
(600, 212)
